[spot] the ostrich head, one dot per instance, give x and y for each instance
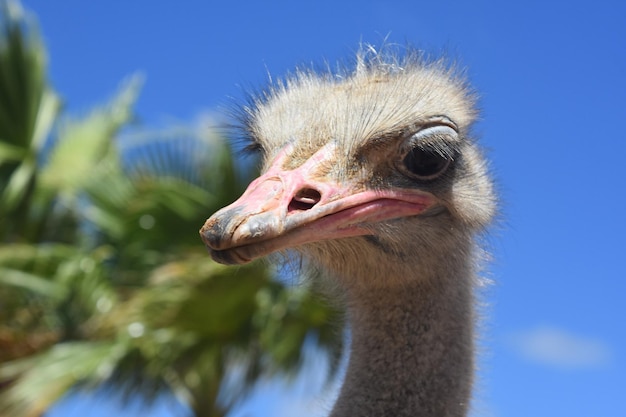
(361, 171)
(373, 176)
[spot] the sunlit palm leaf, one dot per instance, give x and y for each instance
(45, 378)
(169, 182)
(115, 270)
(197, 155)
(27, 111)
(83, 144)
(23, 82)
(191, 324)
(52, 287)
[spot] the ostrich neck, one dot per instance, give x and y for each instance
(412, 349)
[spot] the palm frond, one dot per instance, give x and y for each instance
(28, 108)
(102, 255)
(83, 144)
(37, 382)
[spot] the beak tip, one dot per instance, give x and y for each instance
(212, 233)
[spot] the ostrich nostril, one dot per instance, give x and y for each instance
(304, 199)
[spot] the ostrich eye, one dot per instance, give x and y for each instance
(429, 152)
(424, 163)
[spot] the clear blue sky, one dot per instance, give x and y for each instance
(552, 77)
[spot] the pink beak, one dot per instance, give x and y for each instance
(286, 208)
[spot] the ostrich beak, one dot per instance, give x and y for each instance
(287, 208)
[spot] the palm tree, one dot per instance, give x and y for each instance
(103, 282)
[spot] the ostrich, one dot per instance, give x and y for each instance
(372, 176)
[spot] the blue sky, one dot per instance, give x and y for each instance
(552, 80)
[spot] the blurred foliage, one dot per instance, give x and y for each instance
(103, 279)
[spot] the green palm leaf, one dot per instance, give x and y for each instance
(85, 143)
(46, 377)
(28, 108)
(101, 256)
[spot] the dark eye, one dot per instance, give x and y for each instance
(429, 152)
(424, 163)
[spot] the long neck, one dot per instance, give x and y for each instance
(412, 348)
